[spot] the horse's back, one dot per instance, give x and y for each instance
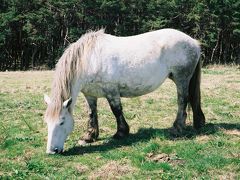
(163, 36)
(164, 48)
(156, 44)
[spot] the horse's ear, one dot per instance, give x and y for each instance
(47, 99)
(67, 103)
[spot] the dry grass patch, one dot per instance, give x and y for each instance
(112, 170)
(28, 81)
(224, 175)
(81, 168)
(234, 132)
(228, 176)
(202, 138)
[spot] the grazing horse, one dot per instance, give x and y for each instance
(103, 65)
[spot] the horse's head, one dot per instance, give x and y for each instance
(59, 126)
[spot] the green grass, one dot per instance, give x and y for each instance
(211, 153)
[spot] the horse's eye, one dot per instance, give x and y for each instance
(61, 123)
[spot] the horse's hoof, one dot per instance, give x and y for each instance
(90, 136)
(199, 125)
(120, 135)
(175, 131)
(86, 140)
(82, 142)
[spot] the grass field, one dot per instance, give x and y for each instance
(150, 152)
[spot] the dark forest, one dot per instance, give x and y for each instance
(34, 33)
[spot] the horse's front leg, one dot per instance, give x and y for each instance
(93, 130)
(122, 126)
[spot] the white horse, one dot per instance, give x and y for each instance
(103, 65)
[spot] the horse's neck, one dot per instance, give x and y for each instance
(75, 88)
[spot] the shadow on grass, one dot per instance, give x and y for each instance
(145, 134)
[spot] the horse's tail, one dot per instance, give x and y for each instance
(195, 97)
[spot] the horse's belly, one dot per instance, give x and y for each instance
(123, 89)
(137, 89)
(143, 83)
(126, 91)
(126, 86)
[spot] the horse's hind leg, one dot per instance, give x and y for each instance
(182, 99)
(93, 130)
(122, 126)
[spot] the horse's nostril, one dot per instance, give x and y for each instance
(56, 150)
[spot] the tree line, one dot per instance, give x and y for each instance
(34, 33)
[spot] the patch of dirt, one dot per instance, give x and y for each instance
(165, 158)
(158, 157)
(112, 170)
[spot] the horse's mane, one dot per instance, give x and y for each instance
(68, 68)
